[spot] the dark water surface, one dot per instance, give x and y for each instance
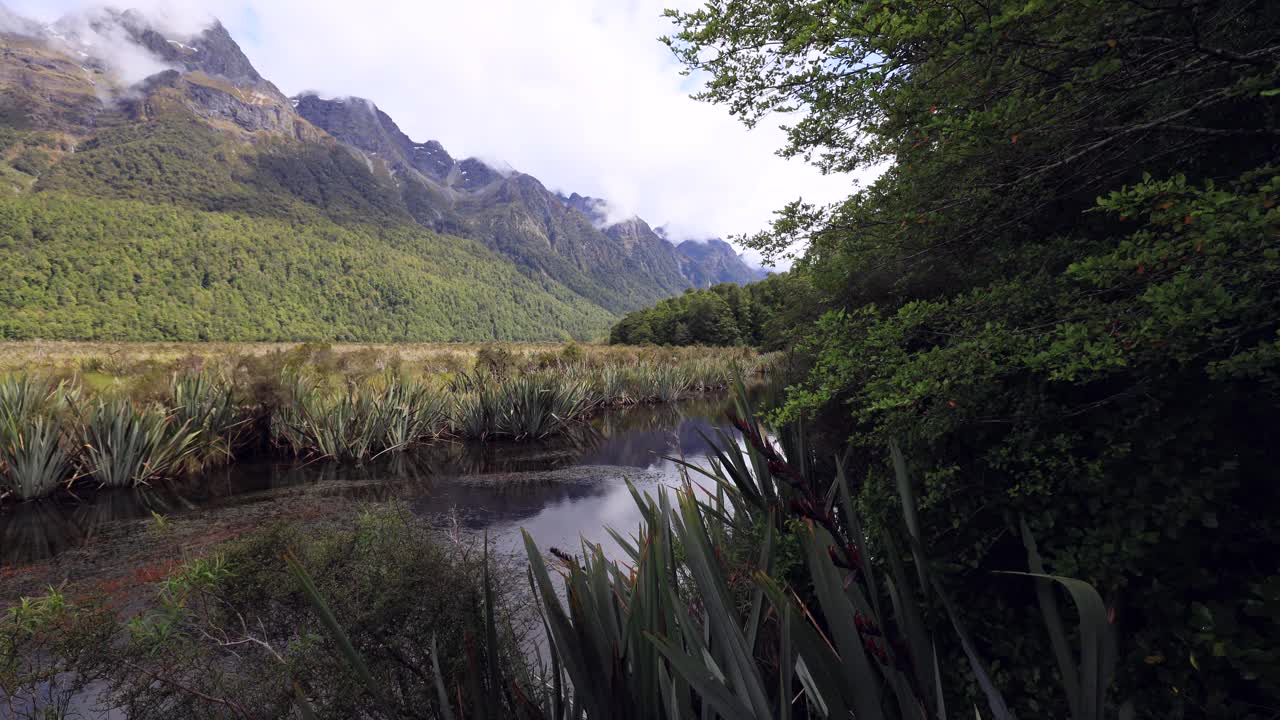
(558, 490)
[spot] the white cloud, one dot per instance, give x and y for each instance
(107, 41)
(576, 92)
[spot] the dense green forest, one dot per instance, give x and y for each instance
(169, 230)
(764, 314)
(1061, 298)
(115, 269)
(174, 158)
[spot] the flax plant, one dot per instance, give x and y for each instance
(129, 444)
(206, 404)
(34, 459)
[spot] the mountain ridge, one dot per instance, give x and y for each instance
(376, 132)
(207, 131)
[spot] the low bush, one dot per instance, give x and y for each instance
(234, 634)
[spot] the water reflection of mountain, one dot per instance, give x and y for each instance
(479, 505)
(567, 470)
(628, 437)
(646, 448)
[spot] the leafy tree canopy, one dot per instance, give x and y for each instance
(1060, 296)
(78, 268)
(763, 314)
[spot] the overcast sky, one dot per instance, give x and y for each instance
(578, 93)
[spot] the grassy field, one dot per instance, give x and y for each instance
(439, 357)
(61, 354)
(116, 415)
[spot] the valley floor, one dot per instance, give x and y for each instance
(54, 354)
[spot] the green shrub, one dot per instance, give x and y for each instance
(33, 161)
(233, 633)
(50, 651)
(572, 353)
(495, 360)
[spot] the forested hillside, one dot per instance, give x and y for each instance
(170, 230)
(404, 242)
(116, 269)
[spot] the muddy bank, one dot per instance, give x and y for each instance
(124, 557)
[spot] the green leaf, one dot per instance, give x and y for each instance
(1053, 621)
(333, 628)
(1097, 651)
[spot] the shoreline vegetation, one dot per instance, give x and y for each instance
(120, 415)
(773, 572)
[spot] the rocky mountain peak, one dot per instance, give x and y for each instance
(517, 187)
(213, 52)
(131, 45)
(360, 123)
(711, 247)
(595, 209)
(711, 261)
(474, 174)
(631, 232)
(431, 157)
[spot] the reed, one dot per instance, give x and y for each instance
(138, 416)
(611, 385)
(669, 383)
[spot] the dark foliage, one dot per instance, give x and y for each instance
(234, 633)
(1061, 297)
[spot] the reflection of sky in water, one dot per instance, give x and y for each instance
(565, 515)
(564, 524)
(633, 446)
(559, 490)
